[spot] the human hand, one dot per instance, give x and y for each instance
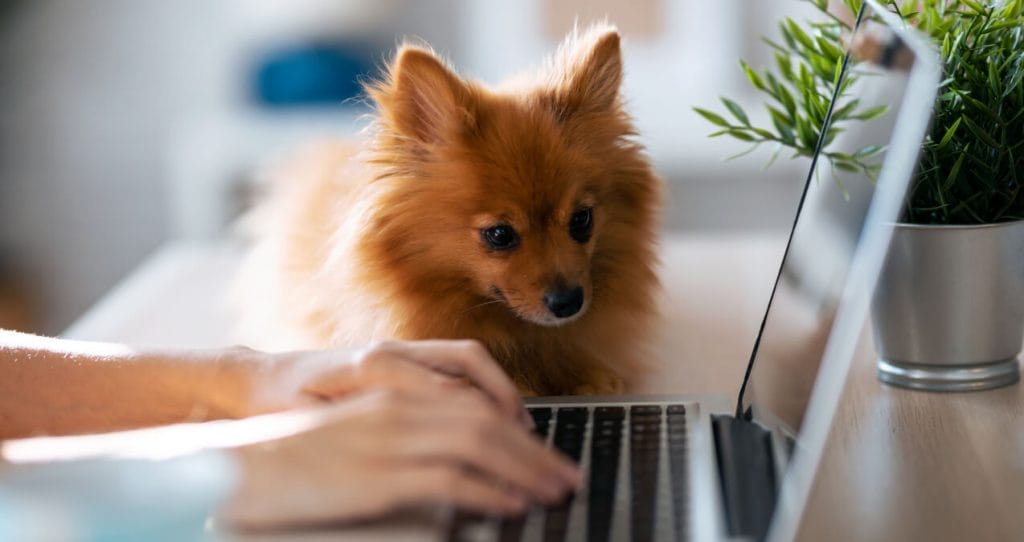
(297, 379)
(378, 452)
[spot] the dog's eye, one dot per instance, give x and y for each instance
(500, 237)
(580, 225)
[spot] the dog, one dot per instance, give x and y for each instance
(522, 216)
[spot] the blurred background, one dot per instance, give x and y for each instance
(126, 124)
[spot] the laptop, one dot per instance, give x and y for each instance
(707, 468)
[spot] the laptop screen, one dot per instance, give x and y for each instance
(832, 222)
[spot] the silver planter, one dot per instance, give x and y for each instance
(948, 312)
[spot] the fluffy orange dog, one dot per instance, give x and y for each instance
(522, 216)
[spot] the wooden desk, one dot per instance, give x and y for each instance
(899, 465)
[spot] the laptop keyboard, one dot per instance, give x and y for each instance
(595, 437)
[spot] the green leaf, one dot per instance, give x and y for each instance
(736, 111)
(839, 183)
(784, 125)
(993, 77)
(843, 111)
(744, 153)
(823, 68)
(868, 151)
(787, 36)
(978, 8)
(846, 166)
(1012, 23)
(713, 118)
(812, 107)
(787, 100)
(752, 76)
(777, 47)
(808, 135)
(872, 113)
(831, 135)
(839, 72)
(774, 88)
(954, 171)
(741, 135)
(830, 51)
(980, 133)
(950, 133)
(773, 157)
(806, 78)
(977, 104)
(785, 65)
(799, 34)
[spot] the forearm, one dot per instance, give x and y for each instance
(55, 387)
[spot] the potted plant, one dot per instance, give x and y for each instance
(949, 309)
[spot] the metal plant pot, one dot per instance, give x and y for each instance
(948, 312)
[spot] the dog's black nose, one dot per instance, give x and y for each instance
(564, 303)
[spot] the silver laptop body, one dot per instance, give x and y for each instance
(711, 468)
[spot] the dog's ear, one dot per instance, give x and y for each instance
(587, 72)
(422, 98)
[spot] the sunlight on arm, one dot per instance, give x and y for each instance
(160, 442)
(14, 339)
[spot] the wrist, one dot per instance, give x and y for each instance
(263, 383)
(238, 388)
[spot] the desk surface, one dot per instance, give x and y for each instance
(899, 464)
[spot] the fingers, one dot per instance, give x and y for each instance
(485, 434)
(468, 359)
(454, 485)
(415, 365)
(524, 465)
(463, 428)
(379, 450)
(378, 368)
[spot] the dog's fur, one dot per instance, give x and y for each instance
(385, 241)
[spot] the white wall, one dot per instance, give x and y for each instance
(93, 92)
(87, 91)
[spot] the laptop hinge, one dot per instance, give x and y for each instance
(747, 474)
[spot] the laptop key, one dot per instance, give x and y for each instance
(609, 413)
(512, 529)
(645, 447)
(570, 423)
(677, 451)
(541, 420)
(605, 448)
(556, 523)
(579, 414)
(639, 410)
(569, 427)
(541, 414)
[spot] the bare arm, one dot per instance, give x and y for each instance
(59, 387)
(422, 422)
(52, 386)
